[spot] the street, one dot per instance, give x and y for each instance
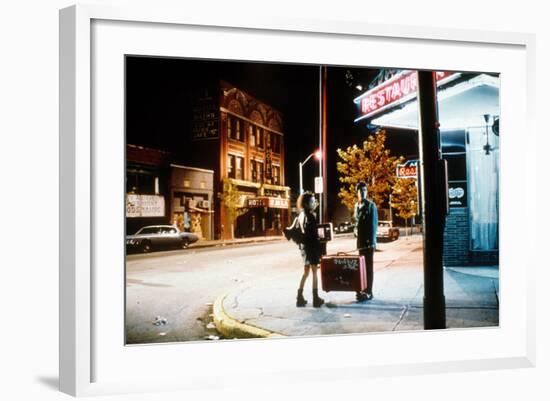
(180, 286)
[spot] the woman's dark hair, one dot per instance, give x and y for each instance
(304, 199)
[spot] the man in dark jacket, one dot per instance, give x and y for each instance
(366, 220)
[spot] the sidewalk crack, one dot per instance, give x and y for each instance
(401, 317)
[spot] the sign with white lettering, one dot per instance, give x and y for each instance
(144, 205)
(457, 194)
(408, 169)
(398, 89)
(319, 185)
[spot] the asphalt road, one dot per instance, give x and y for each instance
(169, 295)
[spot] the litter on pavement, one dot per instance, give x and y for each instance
(211, 337)
(160, 321)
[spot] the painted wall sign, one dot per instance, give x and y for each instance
(400, 88)
(144, 205)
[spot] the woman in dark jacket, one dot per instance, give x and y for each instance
(310, 247)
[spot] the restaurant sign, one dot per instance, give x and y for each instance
(144, 205)
(400, 88)
(408, 170)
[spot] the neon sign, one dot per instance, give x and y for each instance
(408, 169)
(400, 88)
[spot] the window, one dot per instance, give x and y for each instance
(229, 126)
(256, 169)
(252, 136)
(231, 166)
(238, 135)
(234, 128)
(276, 172)
(260, 137)
(142, 182)
(483, 189)
(275, 143)
(239, 167)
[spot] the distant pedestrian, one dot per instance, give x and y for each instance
(366, 220)
(310, 247)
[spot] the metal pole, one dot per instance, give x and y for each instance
(323, 164)
(321, 139)
(301, 190)
(434, 197)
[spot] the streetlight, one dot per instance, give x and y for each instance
(318, 155)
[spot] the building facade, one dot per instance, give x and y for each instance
(241, 139)
(147, 187)
(469, 113)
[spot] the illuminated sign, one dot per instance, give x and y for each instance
(274, 203)
(399, 89)
(408, 169)
(457, 194)
(144, 205)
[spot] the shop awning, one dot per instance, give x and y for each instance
(459, 106)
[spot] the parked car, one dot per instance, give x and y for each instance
(385, 230)
(345, 227)
(162, 236)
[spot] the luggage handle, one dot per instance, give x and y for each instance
(344, 253)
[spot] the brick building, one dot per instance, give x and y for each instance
(241, 139)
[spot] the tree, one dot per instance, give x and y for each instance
(233, 201)
(405, 198)
(370, 163)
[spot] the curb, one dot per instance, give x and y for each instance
(232, 328)
(232, 243)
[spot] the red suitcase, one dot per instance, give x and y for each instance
(343, 273)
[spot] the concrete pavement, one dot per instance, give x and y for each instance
(267, 308)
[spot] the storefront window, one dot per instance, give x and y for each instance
(483, 173)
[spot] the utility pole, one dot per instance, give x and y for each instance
(434, 200)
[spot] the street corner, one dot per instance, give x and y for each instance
(232, 327)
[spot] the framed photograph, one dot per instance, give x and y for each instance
(259, 191)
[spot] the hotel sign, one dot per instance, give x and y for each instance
(274, 203)
(398, 89)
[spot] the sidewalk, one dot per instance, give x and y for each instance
(268, 308)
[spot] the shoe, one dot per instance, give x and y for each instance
(300, 300)
(363, 296)
(317, 301)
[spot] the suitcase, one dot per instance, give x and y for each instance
(343, 273)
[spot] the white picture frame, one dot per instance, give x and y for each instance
(91, 40)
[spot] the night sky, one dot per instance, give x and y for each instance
(158, 107)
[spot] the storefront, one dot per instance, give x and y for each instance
(146, 189)
(469, 112)
(192, 196)
(266, 216)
